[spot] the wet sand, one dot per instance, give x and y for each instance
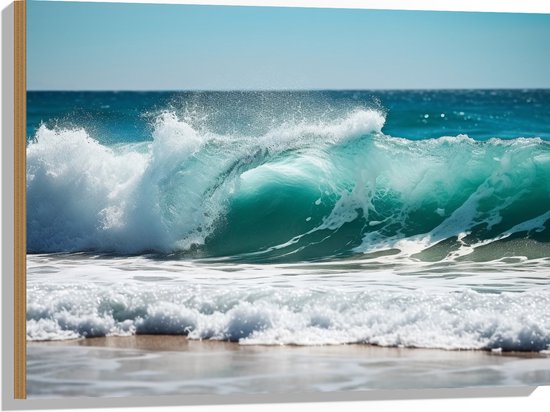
(173, 365)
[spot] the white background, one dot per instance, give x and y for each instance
(540, 399)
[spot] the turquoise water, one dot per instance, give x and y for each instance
(289, 175)
(402, 218)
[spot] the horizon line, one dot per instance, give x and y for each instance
(290, 90)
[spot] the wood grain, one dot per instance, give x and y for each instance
(20, 281)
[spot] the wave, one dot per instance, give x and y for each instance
(463, 319)
(303, 190)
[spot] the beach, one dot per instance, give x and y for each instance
(174, 365)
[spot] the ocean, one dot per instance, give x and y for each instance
(409, 219)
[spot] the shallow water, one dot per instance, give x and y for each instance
(142, 367)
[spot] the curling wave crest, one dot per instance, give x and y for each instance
(317, 189)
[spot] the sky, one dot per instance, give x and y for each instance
(116, 46)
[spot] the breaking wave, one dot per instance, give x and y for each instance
(463, 319)
(303, 190)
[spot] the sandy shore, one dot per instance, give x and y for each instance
(169, 365)
(144, 342)
(182, 343)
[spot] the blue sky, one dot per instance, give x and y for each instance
(110, 46)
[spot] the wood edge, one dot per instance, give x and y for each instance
(20, 281)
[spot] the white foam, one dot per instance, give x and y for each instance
(254, 314)
(77, 190)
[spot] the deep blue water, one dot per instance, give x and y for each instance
(127, 116)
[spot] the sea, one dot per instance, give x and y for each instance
(407, 219)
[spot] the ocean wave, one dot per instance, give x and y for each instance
(302, 190)
(461, 319)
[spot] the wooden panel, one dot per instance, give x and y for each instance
(20, 284)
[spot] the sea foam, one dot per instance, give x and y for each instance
(461, 319)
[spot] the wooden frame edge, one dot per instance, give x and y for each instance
(20, 276)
